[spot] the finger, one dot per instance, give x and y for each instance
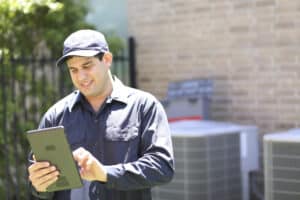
(84, 160)
(46, 178)
(81, 156)
(46, 181)
(78, 152)
(41, 172)
(37, 166)
(89, 164)
(82, 172)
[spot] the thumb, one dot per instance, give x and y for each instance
(77, 153)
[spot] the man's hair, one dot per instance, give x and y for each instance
(100, 56)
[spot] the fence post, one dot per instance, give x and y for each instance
(4, 124)
(132, 63)
(14, 124)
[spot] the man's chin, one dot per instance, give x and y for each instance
(88, 93)
(85, 92)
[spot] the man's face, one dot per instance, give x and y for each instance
(89, 75)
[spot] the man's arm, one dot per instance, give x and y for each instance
(155, 165)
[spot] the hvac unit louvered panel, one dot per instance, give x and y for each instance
(282, 165)
(208, 165)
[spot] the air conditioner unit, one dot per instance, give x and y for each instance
(188, 99)
(212, 161)
(282, 165)
(184, 108)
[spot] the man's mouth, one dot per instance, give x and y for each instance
(86, 84)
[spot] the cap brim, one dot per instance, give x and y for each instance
(84, 53)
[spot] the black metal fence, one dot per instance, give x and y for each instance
(28, 86)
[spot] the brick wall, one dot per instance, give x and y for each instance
(250, 48)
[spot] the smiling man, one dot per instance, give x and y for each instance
(119, 135)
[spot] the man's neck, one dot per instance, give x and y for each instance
(97, 101)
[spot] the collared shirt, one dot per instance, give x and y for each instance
(129, 135)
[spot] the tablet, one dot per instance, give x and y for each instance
(50, 144)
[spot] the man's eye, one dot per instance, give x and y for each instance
(86, 66)
(72, 70)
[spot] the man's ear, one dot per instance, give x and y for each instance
(107, 58)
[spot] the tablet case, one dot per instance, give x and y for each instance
(50, 144)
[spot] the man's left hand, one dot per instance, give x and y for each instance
(90, 168)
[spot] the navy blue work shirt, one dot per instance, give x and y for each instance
(129, 135)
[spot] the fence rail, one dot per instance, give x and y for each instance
(28, 86)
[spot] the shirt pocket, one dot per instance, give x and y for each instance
(118, 134)
(121, 144)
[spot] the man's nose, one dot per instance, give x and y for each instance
(82, 75)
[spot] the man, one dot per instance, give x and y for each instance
(119, 135)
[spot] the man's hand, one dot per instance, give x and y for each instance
(90, 168)
(42, 174)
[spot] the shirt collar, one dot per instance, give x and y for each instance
(119, 93)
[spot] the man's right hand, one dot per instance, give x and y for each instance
(42, 174)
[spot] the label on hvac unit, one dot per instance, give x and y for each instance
(190, 88)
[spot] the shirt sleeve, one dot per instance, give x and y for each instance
(156, 164)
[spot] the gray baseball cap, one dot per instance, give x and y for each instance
(84, 42)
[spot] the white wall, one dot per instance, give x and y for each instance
(109, 15)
